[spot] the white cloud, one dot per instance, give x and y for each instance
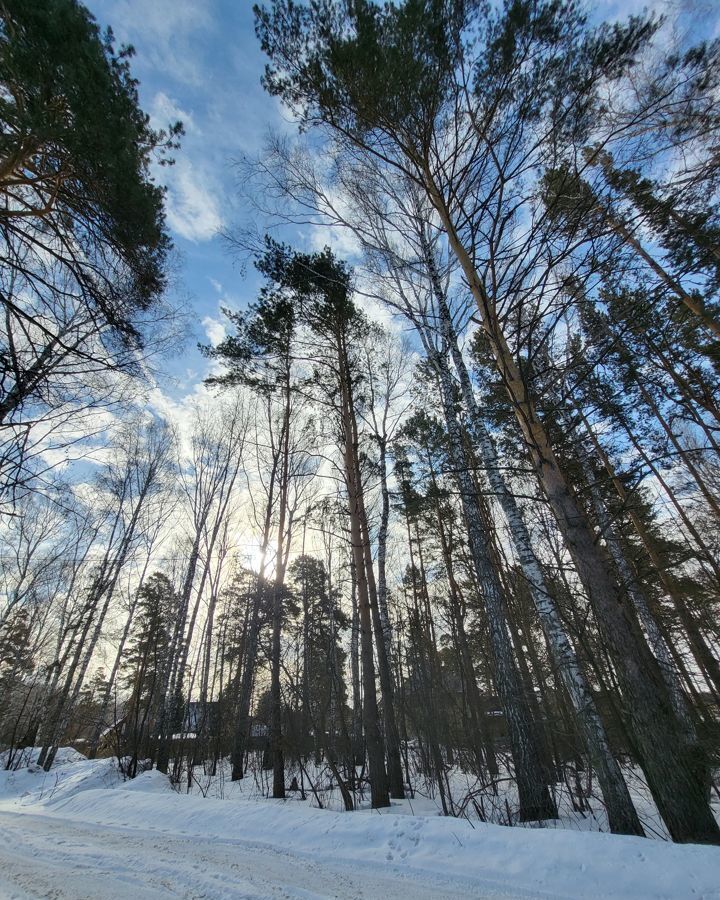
(193, 210)
(341, 240)
(165, 111)
(214, 330)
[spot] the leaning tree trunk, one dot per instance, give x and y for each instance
(622, 816)
(700, 650)
(676, 778)
(535, 799)
(639, 600)
(692, 301)
(86, 645)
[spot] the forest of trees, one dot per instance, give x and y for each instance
(449, 503)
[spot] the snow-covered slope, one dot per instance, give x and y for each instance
(79, 831)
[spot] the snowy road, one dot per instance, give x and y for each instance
(48, 856)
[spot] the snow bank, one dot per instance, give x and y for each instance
(539, 861)
(68, 776)
(29, 756)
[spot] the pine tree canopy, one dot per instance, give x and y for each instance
(75, 154)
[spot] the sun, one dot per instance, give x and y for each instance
(253, 555)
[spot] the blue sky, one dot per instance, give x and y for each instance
(200, 62)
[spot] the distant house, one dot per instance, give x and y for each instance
(194, 717)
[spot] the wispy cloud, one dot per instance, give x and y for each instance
(193, 209)
(165, 111)
(167, 32)
(340, 240)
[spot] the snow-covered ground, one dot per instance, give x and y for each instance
(80, 831)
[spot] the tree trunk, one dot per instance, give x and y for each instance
(373, 736)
